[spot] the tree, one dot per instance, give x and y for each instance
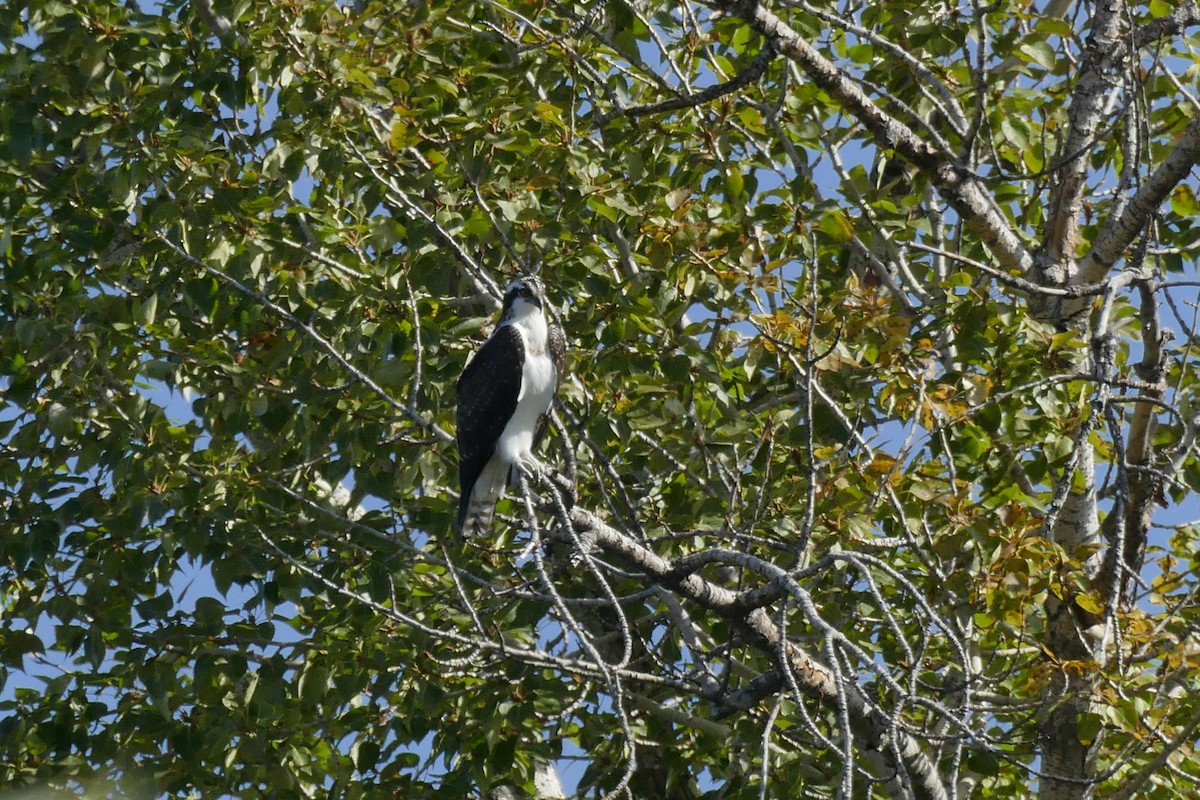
(883, 370)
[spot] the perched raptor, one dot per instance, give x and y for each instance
(504, 398)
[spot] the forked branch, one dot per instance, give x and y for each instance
(960, 188)
(894, 754)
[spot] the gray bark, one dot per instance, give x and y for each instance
(913, 775)
(965, 193)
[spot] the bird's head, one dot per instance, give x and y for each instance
(523, 296)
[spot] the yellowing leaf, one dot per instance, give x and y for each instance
(399, 136)
(550, 113)
(1183, 201)
(1090, 602)
(881, 465)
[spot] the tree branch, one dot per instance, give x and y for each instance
(1144, 488)
(1185, 14)
(309, 331)
(1088, 103)
(752, 73)
(959, 188)
(1030, 288)
(875, 735)
(1117, 234)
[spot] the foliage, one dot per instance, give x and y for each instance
(819, 391)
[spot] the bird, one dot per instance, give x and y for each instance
(503, 399)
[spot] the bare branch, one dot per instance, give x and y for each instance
(1028, 286)
(1185, 15)
(958, 186)
(748, 76)
(874, 734)
(1117, 234)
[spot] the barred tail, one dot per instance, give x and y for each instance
(475, 519)
(477, 507)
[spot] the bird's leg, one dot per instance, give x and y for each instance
(536, 468)
(532, 468)
(538, 474)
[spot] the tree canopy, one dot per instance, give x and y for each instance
(875, 455)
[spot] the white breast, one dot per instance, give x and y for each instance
(537, 387)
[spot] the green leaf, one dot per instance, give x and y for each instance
(983, 763)
(365, 754)
(1016, 131)
(16, 644)
(1039, 52)
(20, 139)
(144, 312)
(602, 208)
(836, 225)
(734, 183)
(741, 37)
(1160, 8)
(1088, 727)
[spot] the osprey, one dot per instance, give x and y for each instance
(504, 397)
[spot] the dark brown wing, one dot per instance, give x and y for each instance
(487, 397)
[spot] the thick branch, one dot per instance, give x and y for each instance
(875, 735)
(1033, 288)
(1185, 15)
(960, 189)
(1144, 486)
(1119, 233)
(1087, 107)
